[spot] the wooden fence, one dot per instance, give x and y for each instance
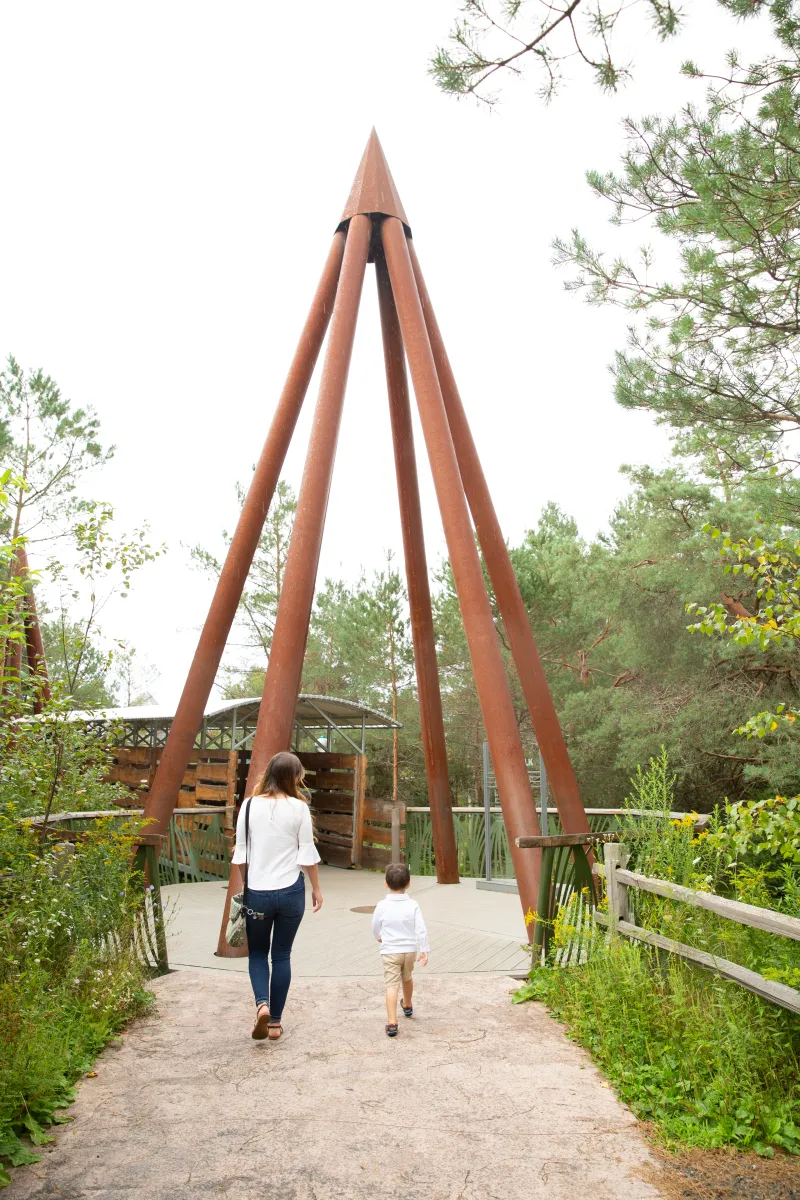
(619, 880)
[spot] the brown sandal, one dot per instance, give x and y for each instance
(262, 1023)
(274, 1030)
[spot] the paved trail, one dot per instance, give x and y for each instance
(477, 1099)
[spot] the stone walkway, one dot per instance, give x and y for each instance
(477, 1099)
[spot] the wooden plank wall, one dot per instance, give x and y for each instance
(332, 781)
(376, 852)
(210, 777)
(352, 831)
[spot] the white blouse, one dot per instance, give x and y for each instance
(281, 841)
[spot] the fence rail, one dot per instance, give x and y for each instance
(619, 880)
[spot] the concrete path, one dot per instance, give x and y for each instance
(470, 930)
(477, 1099)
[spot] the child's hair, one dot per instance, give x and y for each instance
(398, 877)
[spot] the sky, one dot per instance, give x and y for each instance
(174, 172)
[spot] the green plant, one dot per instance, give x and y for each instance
(761, 832)
(69, 974)
(708, 1063)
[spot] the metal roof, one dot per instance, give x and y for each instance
(310, 712)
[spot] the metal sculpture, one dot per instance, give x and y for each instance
(374, 228)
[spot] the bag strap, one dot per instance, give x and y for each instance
(246, 847)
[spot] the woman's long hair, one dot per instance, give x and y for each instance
(283, 776)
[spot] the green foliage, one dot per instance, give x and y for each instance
(760, 833)
(69, 978)
(770, 572)
(102, 563)
(496, 37)
(470, 845)
(608, 617)
(47, 444)
(709, 1063)
(77, 665)
(259, 603)
(715, 349)
(53, 764)
(50, 446)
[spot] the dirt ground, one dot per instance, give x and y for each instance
(717, 1175)
(477, 1099)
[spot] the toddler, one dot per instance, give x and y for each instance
(398, 925)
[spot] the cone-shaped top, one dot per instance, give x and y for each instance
(373, 189)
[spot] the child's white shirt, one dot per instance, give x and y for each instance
(399, 924)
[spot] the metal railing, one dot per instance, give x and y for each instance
(471, 841)
(196, 849)
(149, 927)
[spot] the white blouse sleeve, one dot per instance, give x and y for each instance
(307, 854)
(240, 849)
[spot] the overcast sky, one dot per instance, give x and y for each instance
(173, 175)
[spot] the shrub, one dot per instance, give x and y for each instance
(69, 975)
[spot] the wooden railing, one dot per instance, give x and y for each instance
(619, 880)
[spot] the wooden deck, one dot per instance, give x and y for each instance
(470, 930)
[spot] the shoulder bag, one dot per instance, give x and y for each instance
(236, 932)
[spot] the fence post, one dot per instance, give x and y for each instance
(616, 858)
(487, 812)
(544, 907)
(397, 855)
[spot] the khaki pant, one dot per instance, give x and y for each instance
(398, 968)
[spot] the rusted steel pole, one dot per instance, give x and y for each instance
(282, 684)
(491, 684)
(419, 594)
(37, 663)
(205, 664)
(506, 589)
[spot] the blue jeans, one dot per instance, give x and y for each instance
(283, 911)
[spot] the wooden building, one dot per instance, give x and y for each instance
(353, 830)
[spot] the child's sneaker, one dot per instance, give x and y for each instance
(391, 1031)
(408, 1009)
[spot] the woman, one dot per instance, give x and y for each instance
(281, 840)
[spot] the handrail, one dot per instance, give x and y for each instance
(702, 819)
(734, 910)
(57, 818)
